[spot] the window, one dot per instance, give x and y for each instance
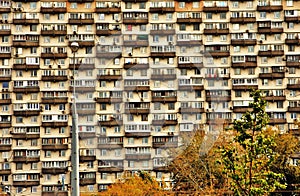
(155, 16)
(19, 166)
(223, 15)
(182, 27)
(128, 5)
(195, 4)
(238, 93)
(73, 6)
(142, 5)
(209, 15)
(145, 140)
(181, 4)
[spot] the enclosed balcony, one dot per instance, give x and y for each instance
(107, 32)
(5, 147)
(25, 135)
(137, 108)
(54, 146)
(165, 122)
(137, 134)
(163, 51)
(53, 10)
(136, 43)
(55, 124)
(242, 20)
(169, 141)
(293, 41)
(161, 10)
(135, 18)
(271, 53)
(137, 156)
(54, 55)
(110, 122)
(244, 61)
(21, 64)
(162, 76)
(54, 30)
(26, 89)
(273, 73)
(27, 112)
(55, 78)
(5, 171)
(110, 9)
(162, 31)
(55, 170)
(243, 42)
(293, 18)
(294, 108)
(110, 169)
(216, 7)
(110, 75)
(83, 158)
(109, 100)
(294, 84)
(5, 32)
(5, 124)
(26, 42)
(107, 51)
(54, 100)
(216, 31)
(190, 110)
(164, 96)
(26, 159)
(189, 20)
(5, 9)
(81, 21)
(26, 20)
(269, 8)
(26, 183)
(87, 178)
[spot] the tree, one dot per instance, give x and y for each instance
(248, 158)
(138, 184)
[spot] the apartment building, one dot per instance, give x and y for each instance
(145, 72)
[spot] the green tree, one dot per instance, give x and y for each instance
(248, 158)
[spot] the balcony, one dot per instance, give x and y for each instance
(60, 170)
(190, 65)
(5, 171)
(269, 8)
(137, 111)
(5, 32)
(27, 112)
(5, 147)
(83, 158)
(25, 43)
(241, 109)
(137, 156)
(216, 9)
(86, 43)
(162, 32)
(165, 122)
(137, 88)
(25, 21)
(137, 134)
(109, 100)
(270, 30)
(161, 10)
(110, 169)
(55, 124)
(243, 42)
(191, 110)
(54, 147)
(271, 53)
(164, 99)
(26, 159)
(5, 78)
(136, 65)
(294, 109)
(82, 89)
(166, 144)
(293, 86)
(191, 87)
(243, 20)
(247, 64)
(277, 121)
(293, 63)
(5, 55)
(53, 55)
(27, 89)
(135, 21)
(217, 76)
(24, 135)
(107, 32)
(87, 134)
(163, 76)
(108, 10)
(295, 41)
(274, 98)
(217, 53)
(109, 77)
(80, 21)
(87, 181)
(245, 87)
(163, 54)
(291, 18)
(109, 54)
(189, 42)
(218, 98)
(136, 43)
(189, 20)
(85, 112)
(110, 145)
(111, 122)
(5, 9)
(216, 31)
(83, 66)
(5, 101)
(54, 78)
(5, 124)
(26, 183)
(24, 66)
(53, 32)
(54, 100)
(53, 10)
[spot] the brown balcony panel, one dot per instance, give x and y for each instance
(26, 183)
(54, 100)
(293, 64)
(31, 89)
(218, 54)
(110, 169)
(163, 54)
(5, 32)
(136, 66)
(85, 43)
(137, 88)
(244, 87)
(108, 10)
(54, 124)
(109, 54)
(164, 144)
(271, 53)
(293, 86)
(241, 109)
(5, 147)
(110, 146)
(87, 181)
(54, 170)
(164, 99)
(135, 1)
(191, 110)
(87, 158)
(27, 112)
(137, 134)
(216, 9)
(137, 111)
(292, 19)
(163, 76)
(270, 8)
(54, 55)
(277, 121)
(292, 41)
(53, 32)
(190, 65)
(5, 124)
(269, 30)
(243, 20)
(189, 20)
(25, 135)
(5, 101)
(82, 66)
(103, 32)
(54, 146)
(216, 31)
(109, 100)
(189, 43)
(135, 21)
(109, 77)
(81, 21)
(5, 171)
(54, 78)
(274, 98)
(5, 78)
(160, 168)
(53, 10)
(245, 42)
(5, 55)
(162, 9)
(111, 123)
(25, 67)
(87, 134)
(272, 75)
(162, 32)
(26, 21)
(244, 65)
(55, 193)
(26, 159)
(82, 89)
(164, 122)
(86, 112)
(140, 43)
(293, 109)
(138, 156)
(5, 9)
(26, 44)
